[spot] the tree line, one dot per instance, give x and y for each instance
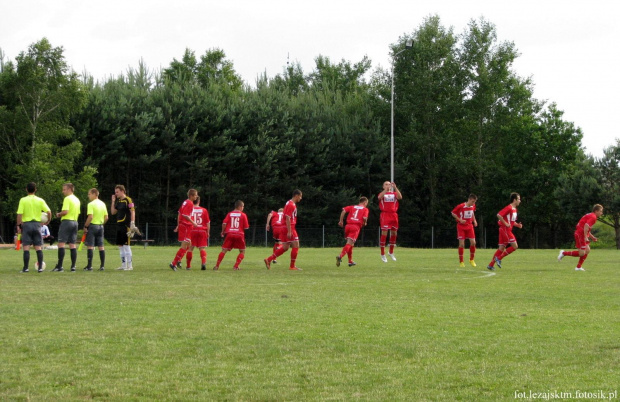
(465, 122)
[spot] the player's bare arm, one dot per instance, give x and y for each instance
(340, 222)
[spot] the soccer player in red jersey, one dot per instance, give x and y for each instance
(199, 234)
(465, 223)
(582, 237)
(233, 227)
(277, 223)
(507, 220)
(357, 218)
(290, 239)
(186, 223)
(388, 220)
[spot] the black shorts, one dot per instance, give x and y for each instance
(94, 237)
(121, 235)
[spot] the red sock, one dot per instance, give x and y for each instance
(392, 242)
(239, 259)
(498, 252)
(382, 241)
(294, 256)
(472, 252)
(344, 251)
(279, 251)
(460, 254)
(571, 253)
(275, 247)
(179, 256)
(350, 253)
(220, 258)
(581, 260)
(203, 256)
(188, 258)
(507, 252)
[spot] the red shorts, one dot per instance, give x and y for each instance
(506, 236)
(286, 239)
(279, 232)
(580, 241)
(231, 242)
(465, 232)
(199, 238)
(184, 234)
(352, 231)
(388, 220)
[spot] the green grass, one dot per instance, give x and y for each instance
(416, 329)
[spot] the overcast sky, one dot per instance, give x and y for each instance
(569, 48)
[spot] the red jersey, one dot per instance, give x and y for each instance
(290, 210)
(277, 219)
(357, 214)
(464, 212)
(236, 222)
(509, 213)
(389, 202)
(187, 208)
(589, 219)
(200, 215)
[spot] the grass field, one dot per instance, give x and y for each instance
(416, 329)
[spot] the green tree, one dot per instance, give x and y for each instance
(609, 169)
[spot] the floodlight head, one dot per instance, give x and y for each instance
(409, 44)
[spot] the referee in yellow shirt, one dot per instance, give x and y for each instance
(97, 216)
(29, 214)
(68, 226)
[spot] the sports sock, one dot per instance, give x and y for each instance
(392, 242)
(26, 258)
(507, 252)
(574, 253)
(203, 256)
(188, 258)
(89, 256)
(345, 250)
(121, 250)
(240, 258)
(128, 255)
(382, 241)
(581, 260)
(350, 253)
(294, 252)
(179, 256)
(461, 254)
(220, 258)
(472, 252)
(73, 253)
(102, 257)
(40, 257)
(61, 256)
(278, 253)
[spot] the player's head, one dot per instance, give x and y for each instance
(68, 188)
(387, 186)
(515, 197)
(297, 195)
(281, 210)
(119, 190)
(598, 210)
(197, 200)
(31, 188)
(239, 205)
(93, 193)
(473, 196)
(364, 201)
(192, 193)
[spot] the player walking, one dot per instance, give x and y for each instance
(199, 234)
(278, 228)
(233, 228)
(357, 218)
(507, 220)
(388, 220)
(582, 237)
(184, 229)
(465, 223)
(123, 207)
(291, 239)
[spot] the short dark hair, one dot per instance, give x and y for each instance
(296, 192)
(363, 199)
(70, 186)
(120, 187)
(514, 196)
(197, 200)
(473, 196)
(238, 203)
(94, 191)
(31, 187)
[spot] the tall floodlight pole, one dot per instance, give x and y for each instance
(408, 45)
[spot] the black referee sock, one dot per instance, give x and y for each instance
(89, 254)
(102, 257)
(26, 258)
(61, 256)
(73, 252)
(40, 258)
